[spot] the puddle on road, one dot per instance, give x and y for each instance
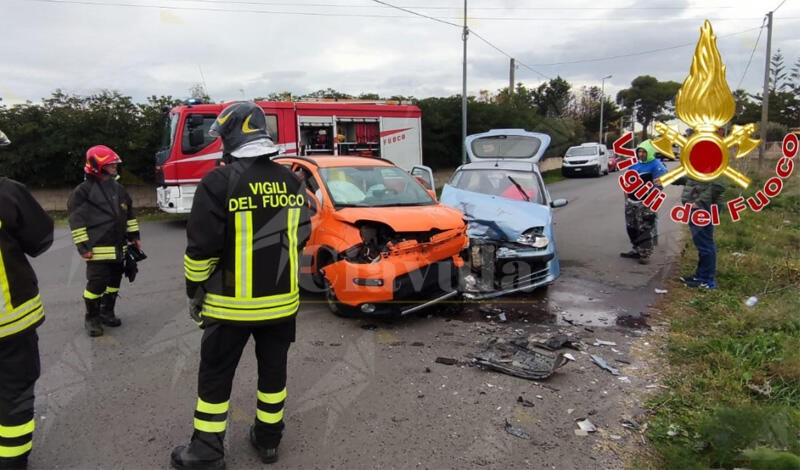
(568, 301)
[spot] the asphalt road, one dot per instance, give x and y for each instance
(362, 394)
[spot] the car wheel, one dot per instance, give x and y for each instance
(598, 172)
(336, 307)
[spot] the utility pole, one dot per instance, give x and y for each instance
(602, 102)
(765, 95)
(464, 35)
(511, 77)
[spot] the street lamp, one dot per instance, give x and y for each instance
(602, 100)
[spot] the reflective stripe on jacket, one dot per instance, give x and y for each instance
(102, 219)
(25, 229)
(244, 237)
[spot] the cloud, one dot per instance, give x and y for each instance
(163, 49)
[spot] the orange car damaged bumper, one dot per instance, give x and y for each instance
(408, 276)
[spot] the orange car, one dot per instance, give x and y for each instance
(380, 242)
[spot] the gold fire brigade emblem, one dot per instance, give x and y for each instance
(705, 103)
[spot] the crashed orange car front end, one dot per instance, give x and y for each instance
(380, 242)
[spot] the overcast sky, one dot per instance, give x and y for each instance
(243, 49)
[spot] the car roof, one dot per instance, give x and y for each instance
(331, 161)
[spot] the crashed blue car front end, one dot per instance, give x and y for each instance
(508, 211)
(512, 246)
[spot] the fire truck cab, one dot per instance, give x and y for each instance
(378, 129)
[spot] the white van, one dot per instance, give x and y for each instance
(586, 159)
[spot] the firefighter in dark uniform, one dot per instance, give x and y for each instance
(25, 229)
(103, 223)
(247, 227)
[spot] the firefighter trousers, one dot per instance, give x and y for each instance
(102, 277)
(19, 369)
(220, 352)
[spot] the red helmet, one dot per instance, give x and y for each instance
(98, 157)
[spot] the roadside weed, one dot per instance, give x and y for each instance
(734, 371)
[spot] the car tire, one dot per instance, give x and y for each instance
(598, 172)
(336, 307)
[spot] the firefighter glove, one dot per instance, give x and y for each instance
(195, 305)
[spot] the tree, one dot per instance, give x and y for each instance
(585, 108)
(648, 97)
(552, 98)
(198, 91)
(328, 93)
(777, 73)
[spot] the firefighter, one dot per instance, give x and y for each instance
(102, 221)
(25, 229)
(246, 229)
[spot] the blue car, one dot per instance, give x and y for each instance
(508, 211)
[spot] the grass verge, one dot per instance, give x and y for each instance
(733, 370)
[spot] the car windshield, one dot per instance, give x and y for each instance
(506, 146)
(373, 186)
(581, 151)
(518, 185)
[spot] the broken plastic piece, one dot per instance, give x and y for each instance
(520, 359)
(661, 291)
(448, 361)
(562, 341)
(516, 431)
(586, 425)
(603, 364)
(524, 402)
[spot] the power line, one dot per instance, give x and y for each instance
(415, 13)
(776, 8)
(633, 54)
(472, 31)
(222, 8)
(760, 30)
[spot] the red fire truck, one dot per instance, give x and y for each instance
(380, 129)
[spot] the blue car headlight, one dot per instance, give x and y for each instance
(534, 237)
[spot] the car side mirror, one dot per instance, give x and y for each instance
(561, 202)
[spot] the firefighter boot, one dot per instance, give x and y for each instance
(206, 450)
(92, 320)
(107, 316)
(267, 454)
(17, 463)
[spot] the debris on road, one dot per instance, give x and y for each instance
(604, 365)
(516, 431)
(633, 320)
(629, 424)
(600, 342)
(524, 402)
(448, 361)
(518, 358)
(661, 291)
(586, 425)
(561, 341)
